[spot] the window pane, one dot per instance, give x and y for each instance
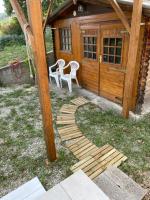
(85, 48)
(111, 59)
(85, 54)
(112, 51)
(94, 56)
(65, 39)
(106, 41)
(119, 42)
(105, 58)
(112, 42)
(118, 60)
(94, 40)
(94, 48)
(118, 51)
(89, 55)
(105, 50)
(90, 47)
(86, 40)
(90, 40)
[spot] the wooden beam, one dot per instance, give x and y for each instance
(132, 56)
(22, 20)
(49, 12)
(35, 20)
(120, 14)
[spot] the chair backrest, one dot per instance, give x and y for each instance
(74, 67)
(61, 64)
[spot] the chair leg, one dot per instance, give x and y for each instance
(70, 86)
(60, 82)
(77, 82)
(50, 79)
(57, 81)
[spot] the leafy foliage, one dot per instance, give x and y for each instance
(45, 4)
(10, 26)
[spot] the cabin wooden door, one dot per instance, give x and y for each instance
(90, 57)
(114, 41)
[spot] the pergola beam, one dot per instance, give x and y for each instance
(35, 32)
(132, 66)
(120, 14)
(49, 12)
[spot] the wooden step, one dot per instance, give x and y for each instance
(79, 101)
(116, 184)
(68, 109)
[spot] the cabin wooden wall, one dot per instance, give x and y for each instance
(75, 24)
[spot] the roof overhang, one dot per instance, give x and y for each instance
(68, 3)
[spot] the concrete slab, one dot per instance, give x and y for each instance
(103, 103)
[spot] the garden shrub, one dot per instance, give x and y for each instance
(10, 27)
(8, 40)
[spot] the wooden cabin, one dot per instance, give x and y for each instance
(92, 33)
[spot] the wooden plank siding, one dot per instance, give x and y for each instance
(90, 74)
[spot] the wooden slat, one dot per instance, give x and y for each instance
(67, 128)
(95, 163)
(79, 101)
(116, 184)
(65, 122)
(70, 132)
(104, 166)
(68, 109)
(79, 145)
(71, 136)
(73, 142)
(88, 153)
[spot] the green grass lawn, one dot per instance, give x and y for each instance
(12, 52)
(22, 147)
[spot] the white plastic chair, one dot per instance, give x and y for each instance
(68, 77)
(60, 63)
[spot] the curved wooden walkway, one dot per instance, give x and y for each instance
(92, 159)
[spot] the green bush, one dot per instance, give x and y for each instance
(10, 27)
(8, 40)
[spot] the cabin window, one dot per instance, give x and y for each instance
(65, 39)
(90, 47)
(112, 50)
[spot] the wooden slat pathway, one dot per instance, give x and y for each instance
(92, 160)
(94, 164)
(69, 132)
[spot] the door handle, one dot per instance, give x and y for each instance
(100, 58)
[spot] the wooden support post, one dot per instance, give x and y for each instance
(49, 12)
(35, 21)
(120, 14)
(132, 56)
